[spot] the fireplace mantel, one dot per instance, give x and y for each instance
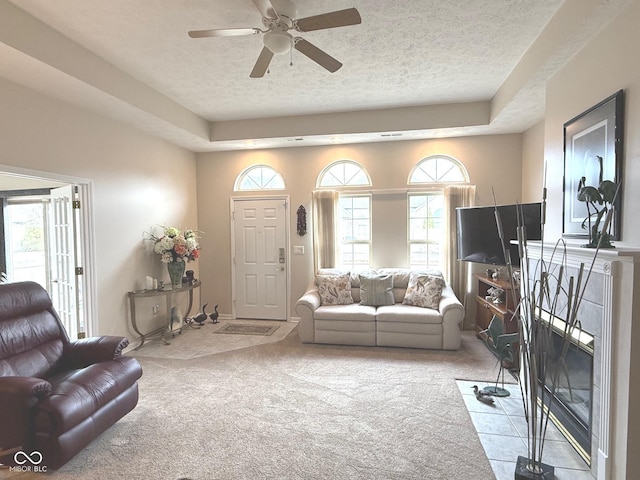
(576, 254)
(617, 431)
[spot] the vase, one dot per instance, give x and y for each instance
(176, 270)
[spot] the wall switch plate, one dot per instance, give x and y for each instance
(298, 250)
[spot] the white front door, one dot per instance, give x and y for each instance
(260, 256)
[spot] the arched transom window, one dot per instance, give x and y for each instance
(438, 169)
(259, 177)
(353, 225)
(343, 173)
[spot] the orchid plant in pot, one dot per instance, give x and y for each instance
(176, 248)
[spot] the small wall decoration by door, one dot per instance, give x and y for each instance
(302, 221)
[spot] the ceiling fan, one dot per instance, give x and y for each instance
(278, 17)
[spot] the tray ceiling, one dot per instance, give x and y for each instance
(412, 69)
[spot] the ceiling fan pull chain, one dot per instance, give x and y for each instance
(291, 57)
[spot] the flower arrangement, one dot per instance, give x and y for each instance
(176, 246)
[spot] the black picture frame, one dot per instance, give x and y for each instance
(595, 132)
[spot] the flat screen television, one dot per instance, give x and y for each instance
(477, 231)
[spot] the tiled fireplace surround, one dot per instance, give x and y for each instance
(609, 313)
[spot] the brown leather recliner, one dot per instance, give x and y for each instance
(56, 395)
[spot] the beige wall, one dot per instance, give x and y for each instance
(532, 156)
(606, 65)
(493, 162)
(137, 181)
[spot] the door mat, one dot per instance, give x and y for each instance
(246, 329)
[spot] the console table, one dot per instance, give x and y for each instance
(168, 294)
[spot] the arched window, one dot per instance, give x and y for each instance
(438, 169)
(426, 210)
(353, 225)
(259, 177)
(343, 173)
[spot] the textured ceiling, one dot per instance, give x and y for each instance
(413, 53)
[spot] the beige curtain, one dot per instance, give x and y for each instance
(325, 214)
(457, 272)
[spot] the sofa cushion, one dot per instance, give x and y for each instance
(402, 313)
(376, 290)
(424, 290)
(353, 276)
(401, 276)
(354, 312)
(334, 289)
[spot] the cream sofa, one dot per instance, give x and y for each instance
(394, 325)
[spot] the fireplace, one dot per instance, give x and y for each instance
(570, 400)
(610, 312)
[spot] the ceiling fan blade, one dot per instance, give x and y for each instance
(266, 9)
(262, 64)
(224, 32)
(314, 53)
(339, 18)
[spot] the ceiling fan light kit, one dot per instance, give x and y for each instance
(278, 41)
(278, 17)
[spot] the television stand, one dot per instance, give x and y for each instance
(486, 309)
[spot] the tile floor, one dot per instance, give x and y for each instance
(201, 341)
(502, 430)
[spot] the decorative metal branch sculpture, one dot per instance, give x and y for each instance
(546, 293)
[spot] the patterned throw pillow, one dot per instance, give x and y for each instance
(376, 290)
(424, 290)
(334, 289)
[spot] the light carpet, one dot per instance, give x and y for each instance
(287, 410)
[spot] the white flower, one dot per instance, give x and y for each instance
(171, 231)
(192, 243)
(163, 244)
(176, 246)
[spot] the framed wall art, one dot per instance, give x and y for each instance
(592, 149)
